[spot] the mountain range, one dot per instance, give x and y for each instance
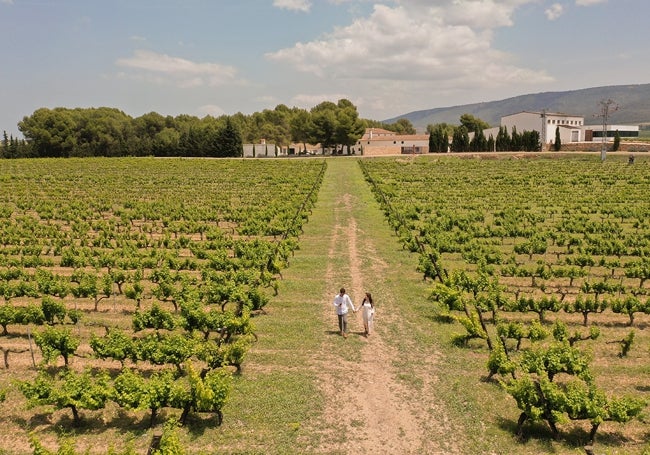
(631, 105)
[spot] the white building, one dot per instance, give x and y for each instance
(263, 149)
(595, 132)
(571, 127)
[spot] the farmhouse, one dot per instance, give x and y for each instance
(378, 142)
(382, 142)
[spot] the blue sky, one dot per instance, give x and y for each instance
(389, 57)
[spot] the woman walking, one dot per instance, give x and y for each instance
(368, 313)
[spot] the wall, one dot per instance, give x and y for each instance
(629, 147)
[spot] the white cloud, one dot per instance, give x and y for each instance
(162, 68)
(266, 100)
(294, 5)
(589, 2)
(554, 11)
(7, 2)
(448, 42)
(308, 101)
(210, 109)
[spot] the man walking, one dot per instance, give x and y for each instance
(342, 301)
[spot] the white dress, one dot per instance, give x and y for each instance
(367, 312)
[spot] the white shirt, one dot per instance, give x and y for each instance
(342, 302)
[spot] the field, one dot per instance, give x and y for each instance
(525, 248)
(534, 228)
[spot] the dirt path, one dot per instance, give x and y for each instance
(369, 407)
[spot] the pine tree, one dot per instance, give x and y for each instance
(5, 145)
(617, 141)
(230, 141)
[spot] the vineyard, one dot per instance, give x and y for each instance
(130, 286)
(543, 266)
(146, 294)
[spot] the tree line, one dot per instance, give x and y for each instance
(104, 131)
(440, 134)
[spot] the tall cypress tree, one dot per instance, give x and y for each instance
(503, 140)
(557, 145)
(478, 142)
(617, 141)
(5, 145)
(515, 140)
(460, 140)
(438, 141)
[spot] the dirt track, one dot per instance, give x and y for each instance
(369, 407)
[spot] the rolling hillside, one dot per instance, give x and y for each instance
(633, 106)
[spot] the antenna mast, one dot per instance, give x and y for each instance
(606, 107)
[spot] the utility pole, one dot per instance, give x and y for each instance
(606, 107)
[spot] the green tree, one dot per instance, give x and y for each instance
(4, 152)
(402, 126)
(460, 140)
(515, 140)
(438, 140)
(50, 132)
(617, 141)
(324, 124)
(530, 141)
(478, 142)
(557, 145)
(229, 141)
(301, 127)
(503, 140)
(349, 127)
(100, 132)
(473, 124)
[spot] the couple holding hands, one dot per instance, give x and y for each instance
(342, 302)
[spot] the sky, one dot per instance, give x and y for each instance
(388, 57)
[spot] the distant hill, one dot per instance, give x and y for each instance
(633, 106)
